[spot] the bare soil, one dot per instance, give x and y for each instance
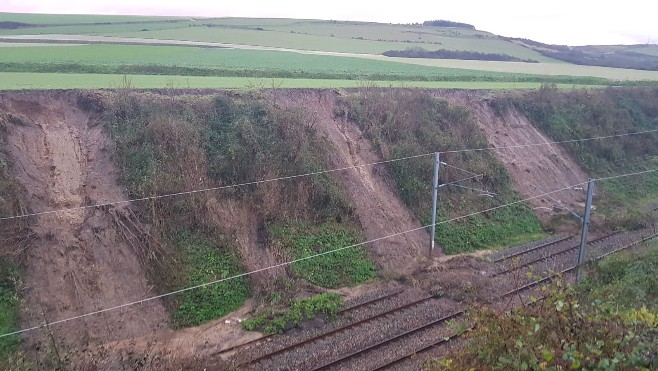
(79, 261)
(534, 170)
(378, 206)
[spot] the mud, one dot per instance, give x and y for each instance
(78, 262)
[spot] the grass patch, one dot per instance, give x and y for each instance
(510, 226)
(408, 123)
(347, 267)
(628, 279)
(272, 321)
(205, 261)
(9, 303)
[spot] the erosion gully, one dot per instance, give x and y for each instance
(394, 329)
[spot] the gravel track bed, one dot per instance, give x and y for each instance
(516, 249)
(435, 353)
(319, 352)
(567, 260)
(307, 331)
(371, 295)
(397, 348)
(524, 297)
(537, 254)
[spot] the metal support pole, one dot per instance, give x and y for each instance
(435, 189)
(583, 235)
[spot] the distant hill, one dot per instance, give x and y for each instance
(638, 57)
(444, 23)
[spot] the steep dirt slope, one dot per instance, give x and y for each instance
(237, 219)
(535, 170)
(80, 261)
(379, 208)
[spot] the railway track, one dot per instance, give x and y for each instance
(531, 249)
(543, 257)
(340, 312)
(515, 291)
(394, 349)
(350, 326)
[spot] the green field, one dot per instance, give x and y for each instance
(223, 62)
(350, 37)
(240, 52)
(29, 80)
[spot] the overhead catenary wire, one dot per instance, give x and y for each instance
(145, 300)
(255, 182)
(549, 143)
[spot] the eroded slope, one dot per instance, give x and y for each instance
(79, 260)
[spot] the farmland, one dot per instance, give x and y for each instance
(304, 53)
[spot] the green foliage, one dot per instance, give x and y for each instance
(346, 267)
(408, 123)
(514, 225)
(609, 322)
(565, 115)
(628, 279)
(272, 321)
(206, 262)
(170, 144)
(9, 303)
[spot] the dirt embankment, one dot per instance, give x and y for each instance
(80, 261)
(535, 170)
(378, 206)
(83, 260)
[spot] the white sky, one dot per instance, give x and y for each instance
(572, 22)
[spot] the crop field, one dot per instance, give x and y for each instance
(29, 80)
(350, 37)
(241, 52)
(198, 61)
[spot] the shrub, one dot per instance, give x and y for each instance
(273, 321)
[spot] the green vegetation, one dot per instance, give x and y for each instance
(272, 321)
(196, 61)
(609, 322)
(167, 144)
(347, 267)
(408, 123)
(23, 80)
(205, 263)
(565, 115)
(355, 37)
(303, 49)
(628, 279)
(12, 234)
(9, 302)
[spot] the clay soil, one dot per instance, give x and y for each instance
(79, 261)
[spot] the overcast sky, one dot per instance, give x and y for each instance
(572, 22)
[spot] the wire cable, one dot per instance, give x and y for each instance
(549, 143)
(112, 203)
(476, 190)
(626, 175)
(148, 198)
(142, 301)
(459, 181)
(458, 168)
